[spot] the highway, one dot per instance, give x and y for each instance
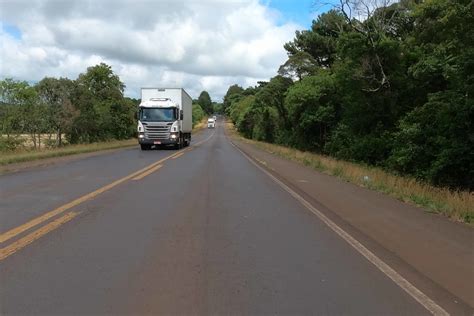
(200, 231)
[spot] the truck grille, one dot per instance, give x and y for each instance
(158, 131)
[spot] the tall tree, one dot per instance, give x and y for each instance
(273, 95)
(298, 66)
(98, 94)
(233, 91)
(204, 100)
(55, 94)
(321, 40)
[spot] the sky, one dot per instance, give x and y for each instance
(196, 44)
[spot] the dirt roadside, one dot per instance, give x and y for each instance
(435, 254)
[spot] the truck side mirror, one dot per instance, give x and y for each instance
(181, 115)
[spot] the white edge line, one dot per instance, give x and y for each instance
(403, 283)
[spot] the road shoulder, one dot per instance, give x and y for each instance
(432, 251)
(27, 165)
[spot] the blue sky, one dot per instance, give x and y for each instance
(301, 12)
(12, 30)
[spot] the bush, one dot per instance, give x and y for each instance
(198, 113)
(10, 143)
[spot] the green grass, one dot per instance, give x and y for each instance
(29, 155)
(457, 205)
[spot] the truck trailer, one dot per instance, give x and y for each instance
(164, 118)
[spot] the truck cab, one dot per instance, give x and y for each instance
(211, 123)
(161, 122)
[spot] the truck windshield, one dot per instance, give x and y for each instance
(157, 114)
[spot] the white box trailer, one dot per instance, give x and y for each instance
(164, 117)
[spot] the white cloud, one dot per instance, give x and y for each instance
(200, 45)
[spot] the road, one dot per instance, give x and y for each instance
(201, 231)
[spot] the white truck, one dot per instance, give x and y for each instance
(164, 118)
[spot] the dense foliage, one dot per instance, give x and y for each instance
(89, 109)
(204, 107)
(198, 113)
(394, 89)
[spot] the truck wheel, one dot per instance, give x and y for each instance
(179, 144)
(145, 147)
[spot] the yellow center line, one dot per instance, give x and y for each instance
(40, 219)
(178, 155)
(28, 239)
(143, 175)
(18, 230)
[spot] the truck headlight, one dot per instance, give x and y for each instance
(141, 135)
(173, 136)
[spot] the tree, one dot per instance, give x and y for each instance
(392, 85)
(240, 112)
(312, 105)
(98, 95)
(434, 142)
(198, 113)
(232, 93)
(217, 107)
(205, 102)
(10, 98)
(101, 82)
(30, 117)
(298, 65)
(321, 40)
(55, 94)
(273, 95)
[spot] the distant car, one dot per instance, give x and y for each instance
(215, 118)
(211, 123)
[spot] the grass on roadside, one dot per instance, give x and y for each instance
(200, 125)
(29, 155)
(457, 205)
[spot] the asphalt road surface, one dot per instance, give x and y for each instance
(197, 231)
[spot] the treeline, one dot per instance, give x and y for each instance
(91, 108)
(88, 109)
(204, 106)
(394, 90)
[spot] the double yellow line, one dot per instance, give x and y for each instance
(28, 239)
(24, 241)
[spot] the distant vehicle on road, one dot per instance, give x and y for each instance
(164, 118)
(215, 118)
(211, 123)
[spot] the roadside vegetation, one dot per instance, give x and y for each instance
(200, 125)
(57, 117)
(29, 155)
(457, 205)
(89, 109)
(389, 87)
